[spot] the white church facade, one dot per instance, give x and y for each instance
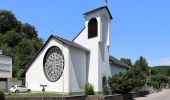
(65, 66)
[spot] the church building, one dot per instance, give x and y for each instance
(65, 66)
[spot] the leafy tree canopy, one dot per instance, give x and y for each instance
(159, 77)
(124, 82)
(142, 64)
(126, 61)
(8, 22)
(29, 31)
(18, 40)
(136, 76)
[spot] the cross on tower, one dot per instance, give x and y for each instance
(106, 1)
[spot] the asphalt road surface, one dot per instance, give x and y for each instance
(163, 95)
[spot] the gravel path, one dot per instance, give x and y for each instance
(163, 95)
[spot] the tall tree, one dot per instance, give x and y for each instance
(141, 63)
(11, 38)
(20, 41)
(8, 22)
(126, 61)
(168, 72)
(29, 31)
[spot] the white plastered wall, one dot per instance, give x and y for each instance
(98, 65)
(8, 62)
(92, 45)
(77, 76)
(104, 67)
(115, 69)
(5, 72)
(35, 73)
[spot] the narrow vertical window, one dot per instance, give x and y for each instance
(104, 81)
(92, 28)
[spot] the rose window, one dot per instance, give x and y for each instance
(53, 64)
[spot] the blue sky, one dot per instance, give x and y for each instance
(139, 27)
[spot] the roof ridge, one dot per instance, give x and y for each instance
(99, 9)
(65, 41)
(116, 61)
(71, 43)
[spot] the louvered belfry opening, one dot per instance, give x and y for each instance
(92, 28)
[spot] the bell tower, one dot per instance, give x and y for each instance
(98, 23)
(96, 37)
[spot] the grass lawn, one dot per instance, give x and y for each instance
(33, 95)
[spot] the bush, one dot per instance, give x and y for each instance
(89, 89)
(2, 96)
(159, 80)
(106, 90)
(123, 83)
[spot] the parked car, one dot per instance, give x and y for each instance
(19, 88)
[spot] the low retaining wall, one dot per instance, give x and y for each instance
(113, 97)
(128, 96)
(143, 93)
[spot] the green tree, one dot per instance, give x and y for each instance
(142, 64)
(25, 51)
(8, 22)
(155, 71)
(168, 72)
(29, 31)
(20, 41)
(11, 38)
(159, 80)
(135, 77)
(124, 82)
(126, 61)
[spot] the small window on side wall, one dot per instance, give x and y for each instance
(92, 28)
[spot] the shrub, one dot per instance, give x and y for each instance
(2, 96)
(159, 80)
(89, 89)
(123, 83)
(106, 90)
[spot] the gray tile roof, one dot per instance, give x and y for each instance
(117, 62)
(100, 9)
(74, 45)
(70, 43)
(67, 42)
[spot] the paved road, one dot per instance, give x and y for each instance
(163, 95)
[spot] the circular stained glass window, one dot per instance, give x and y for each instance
(53, 63)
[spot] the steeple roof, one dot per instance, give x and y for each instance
(100, 8)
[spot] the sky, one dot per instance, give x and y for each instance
(139, 27)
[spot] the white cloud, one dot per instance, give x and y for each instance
(152, 62)
(164, 61)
